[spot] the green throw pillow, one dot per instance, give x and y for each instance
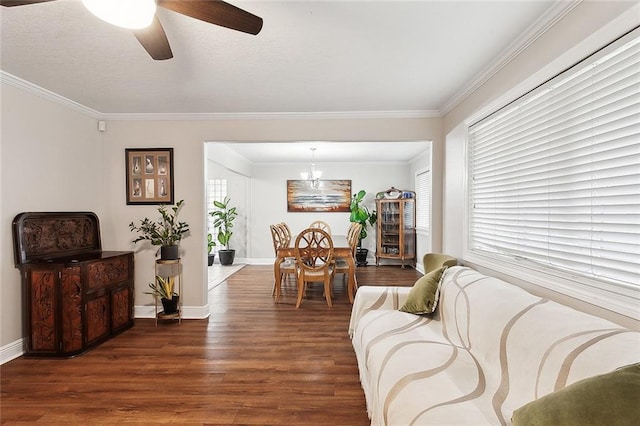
(608, 399)
(423, 297)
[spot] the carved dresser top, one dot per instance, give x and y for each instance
(49, 236)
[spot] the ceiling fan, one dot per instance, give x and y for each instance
(153, 37)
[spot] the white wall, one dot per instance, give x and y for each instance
(52, 160)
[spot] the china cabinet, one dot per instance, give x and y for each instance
(396, 230)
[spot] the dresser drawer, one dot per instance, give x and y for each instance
(108, 272)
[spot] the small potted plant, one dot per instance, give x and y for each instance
(210, 245)
(224, 217)
(361, 214)
(167, 232)
(163, 288)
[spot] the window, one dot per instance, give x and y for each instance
(216, 191)
(423, 202)
(554, 177)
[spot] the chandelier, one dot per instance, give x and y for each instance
(313, 175)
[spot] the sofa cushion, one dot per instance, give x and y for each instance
(606, 399)
(423, 297)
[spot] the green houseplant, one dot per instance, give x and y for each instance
(211, 243)
(362, 215)
(167, 232)
(163, 288)
(223, 222)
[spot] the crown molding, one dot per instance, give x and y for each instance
(34, 89)
(274, 115)
(41, 92)
(535, 31)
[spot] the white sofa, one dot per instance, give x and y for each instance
(489, 348)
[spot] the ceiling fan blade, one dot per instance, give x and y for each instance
(11, 3)
(216, 12)
(154, 40)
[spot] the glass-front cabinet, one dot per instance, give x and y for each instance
(396, 238)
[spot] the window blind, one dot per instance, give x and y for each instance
(423, 201)
(555, 175)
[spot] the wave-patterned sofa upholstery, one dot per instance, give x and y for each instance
(490, 348)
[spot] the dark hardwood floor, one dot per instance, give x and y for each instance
(251, 362)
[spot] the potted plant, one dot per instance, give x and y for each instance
(210, 245)
(163, 288)
(167, 232)
(223, 222)
(361, 214)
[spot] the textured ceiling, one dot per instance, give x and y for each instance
(311, 56)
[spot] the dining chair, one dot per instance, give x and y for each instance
(287, 232)
(354, 228)
(288, 267)
(314, 258)
(353, 234)
(322, 225)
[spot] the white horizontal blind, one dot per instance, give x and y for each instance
(555, 175)
(423, 201)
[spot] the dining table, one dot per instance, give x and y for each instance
(341, 249)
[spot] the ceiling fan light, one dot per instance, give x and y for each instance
(132, 14)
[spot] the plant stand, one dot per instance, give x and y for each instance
(170, 269)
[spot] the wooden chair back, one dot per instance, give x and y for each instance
(276, 237)
(287, 232)
(353, 235)
(288, 266)
(314, 258)
(321, 225)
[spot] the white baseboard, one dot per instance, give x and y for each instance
(11, 351)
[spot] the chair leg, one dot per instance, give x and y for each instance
(327, 290)
(278, 291)
(300, 291)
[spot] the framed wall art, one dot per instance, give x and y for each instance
(149, 174)
(318, 196)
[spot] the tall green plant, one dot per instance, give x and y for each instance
(361, 214)
(224, 218)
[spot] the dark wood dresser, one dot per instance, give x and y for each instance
(75, 295)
